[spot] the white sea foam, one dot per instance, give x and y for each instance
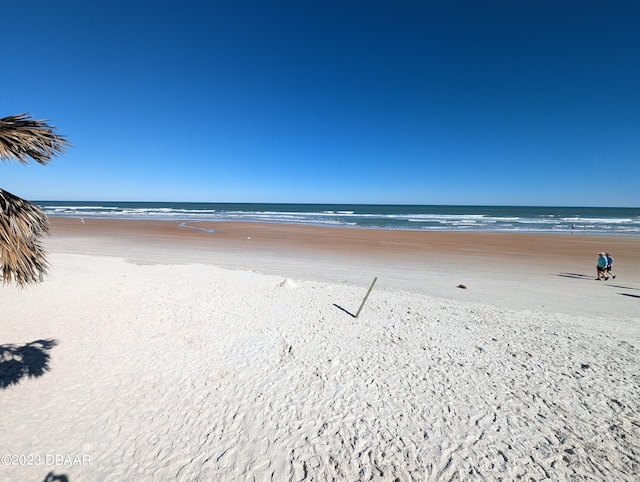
(437, 218)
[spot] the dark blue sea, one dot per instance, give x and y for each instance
(582, 220)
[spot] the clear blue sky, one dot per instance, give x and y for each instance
(417, 102)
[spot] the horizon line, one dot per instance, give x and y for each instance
(290, 203)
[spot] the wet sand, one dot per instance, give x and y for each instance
(526, 247)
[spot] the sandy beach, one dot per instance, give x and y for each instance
(162, 351)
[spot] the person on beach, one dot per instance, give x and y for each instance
(609, 265)
(601, 267)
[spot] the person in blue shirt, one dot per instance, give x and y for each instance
(609, 265)
(601, 267)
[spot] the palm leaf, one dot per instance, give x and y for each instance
(22, 138)
(22, 224)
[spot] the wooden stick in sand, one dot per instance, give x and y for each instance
(367, 295)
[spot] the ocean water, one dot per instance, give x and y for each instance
(579, 220)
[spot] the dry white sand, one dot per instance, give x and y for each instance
(245, 365)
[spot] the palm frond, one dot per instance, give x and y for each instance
(23, 138)
(22, 224)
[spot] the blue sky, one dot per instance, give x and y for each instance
(409, 102)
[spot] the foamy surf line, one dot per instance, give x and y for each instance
(602, 221)
(206, 230)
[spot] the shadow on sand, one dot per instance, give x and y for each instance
(622, 287)
(576, 276)
(51, 477)
(588, 277)
(29, 360)
(346, 311)
(630, 295)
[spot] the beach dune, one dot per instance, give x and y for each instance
(169, 352)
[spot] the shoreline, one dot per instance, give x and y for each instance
(568, 232)
(532, 248)
(545, 219)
